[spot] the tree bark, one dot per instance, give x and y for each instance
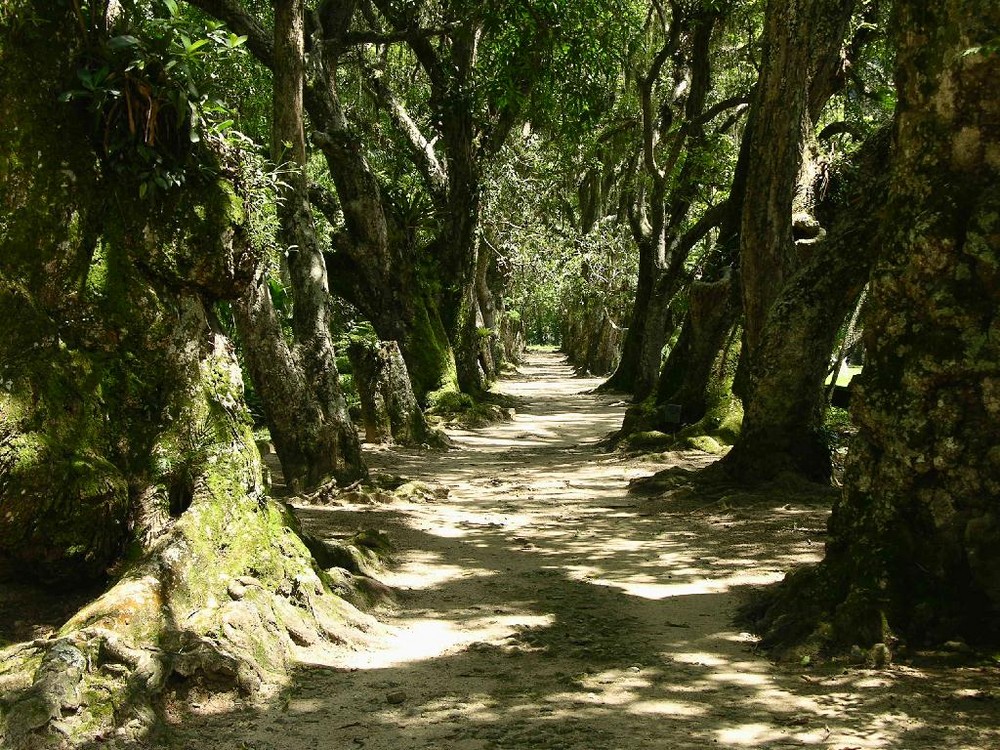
(388, 407)
(917, 530)
(781, 421)
(124, 437)
(796, 41)
(307, 451)
(336, 444)
(713, 310)
(914, 540)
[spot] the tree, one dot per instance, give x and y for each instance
(372, 261)
(126, 450)
(675, 160)
(912, 552)
(799, 73)
(299, 386)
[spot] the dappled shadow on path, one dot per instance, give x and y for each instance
(541, 606)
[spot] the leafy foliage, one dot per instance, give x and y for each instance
(152, 96)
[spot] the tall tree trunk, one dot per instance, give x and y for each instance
(662, 250)
(781, 421)
(801, 37)
(914, 546)
(917, 530)
(308, 452)
(629, 366)
(459, 238)
(123, 430)
(782, 126)
(337, 447)
(491, 351)
(713, 310)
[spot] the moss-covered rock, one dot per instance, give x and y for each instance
(650, 440)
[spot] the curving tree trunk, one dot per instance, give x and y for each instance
(126, 449)
(781, 422)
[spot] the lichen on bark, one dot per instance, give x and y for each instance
(912, 551)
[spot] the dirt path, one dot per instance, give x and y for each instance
(541, 606)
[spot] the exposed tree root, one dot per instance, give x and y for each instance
(207, 605)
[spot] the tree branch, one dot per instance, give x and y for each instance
(425, 53)
(716, 109)
(708, 221)
(645, 84)
(421, 150)
(392, 37)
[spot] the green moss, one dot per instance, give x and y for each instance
(449, 401)
(650, 440)
(704, 443)
(462, 410)
(429, 357)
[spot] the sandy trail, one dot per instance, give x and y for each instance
(541, 606)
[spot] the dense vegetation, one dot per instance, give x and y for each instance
(212, 203)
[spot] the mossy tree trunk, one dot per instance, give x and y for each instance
(491, 353)
(125, 444)
(797, 78)
(330, 441)
(914, 546)
(389, 408)
(796, 34)
(685, 382)
(307, 450)
(918, 528)
(373, 263)
(781, 423)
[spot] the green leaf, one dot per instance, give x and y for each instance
(171, 6)
(143, 187)
(123, 41)
(195, 45)
(236, 41)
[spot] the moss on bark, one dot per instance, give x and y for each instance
(912, 552)
(124, 438)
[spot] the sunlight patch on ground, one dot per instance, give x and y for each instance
(418, 640)
(423, 570)
(740, 678)
(699, 659)
(752, 735)
(456, 522)
(657, 591)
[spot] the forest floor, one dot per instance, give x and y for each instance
(539, 604)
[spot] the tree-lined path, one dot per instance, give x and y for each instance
(538, 604)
